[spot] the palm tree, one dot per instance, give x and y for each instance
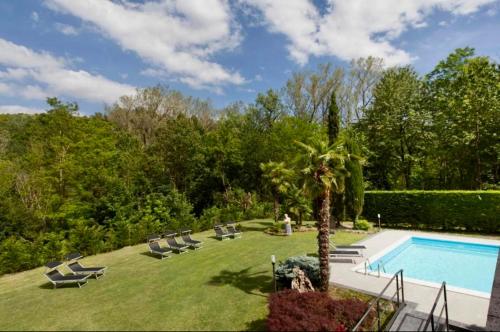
(324, 171)
(298, 203)
(279, 178)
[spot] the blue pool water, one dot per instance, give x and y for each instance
(460, 264)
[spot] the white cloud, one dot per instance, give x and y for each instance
(35, 17)
(491, 12)
(66, 29)
(16, 109)
(37, 75)
(177, 37)
(355, 28)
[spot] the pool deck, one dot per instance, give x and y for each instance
(493, 323)
(467, 309)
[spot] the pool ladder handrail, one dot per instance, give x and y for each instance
(367, 263)
(398, 298)
(379, 264)
(444, 309)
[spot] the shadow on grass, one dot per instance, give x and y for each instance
(213, 237)
(50, 286)
(256, 325)
(251, 283)
(147, 253)
(264, 224)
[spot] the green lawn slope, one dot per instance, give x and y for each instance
(222, 286)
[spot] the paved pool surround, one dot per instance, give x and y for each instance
(464, 307)
(493, 323)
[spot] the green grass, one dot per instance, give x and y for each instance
(223, 286)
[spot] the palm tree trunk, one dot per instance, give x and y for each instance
(323, 241)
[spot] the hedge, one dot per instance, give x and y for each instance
(313, 311)
(477, 211)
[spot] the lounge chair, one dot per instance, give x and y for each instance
(73, 256)
(342, 260)
(360, 248)
(57, 278)
(186, 237)
(77, 268)
(154, 248)
(154, 237)
(173, 244)
(231, 229)
(220, 233)
(343, 253)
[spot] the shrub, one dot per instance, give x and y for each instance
(310, 266)
(312, 311)
(259, 210)
(16, 255)
(86, 237)
(362, 225)
(444, 210)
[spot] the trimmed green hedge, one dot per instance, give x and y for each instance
(477, 211)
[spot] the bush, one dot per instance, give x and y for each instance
(312, 311)
(362, 225)
(310, 266)
(16, 255)
(443, 210)
(86, 237)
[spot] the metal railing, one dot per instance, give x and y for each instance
(399, 295)
(435, 324)
(379, 264)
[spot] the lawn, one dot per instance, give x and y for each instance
(223, 286)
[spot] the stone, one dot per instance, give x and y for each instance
(301, 282)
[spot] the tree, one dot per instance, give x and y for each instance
(333, 119)
(465, 104)
(297, 202)
(308, 93)
(323, 167)
(268, 108)
(354, 186)
(356, 92)
(279, 179)
(333, 130)
(396, 126)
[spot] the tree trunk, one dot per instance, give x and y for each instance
(323, 241)
(317, 208)
(300, 218)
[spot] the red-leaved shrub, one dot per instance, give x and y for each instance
(314, 311)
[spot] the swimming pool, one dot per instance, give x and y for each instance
(464, 265)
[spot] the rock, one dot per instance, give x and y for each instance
(301, 282)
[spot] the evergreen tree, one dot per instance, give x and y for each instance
(354, 187)
(333, 120)
(333, 127)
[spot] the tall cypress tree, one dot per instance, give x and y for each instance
(354, 187)
(337, 199)
(333, 120)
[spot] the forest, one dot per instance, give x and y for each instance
(161, 160)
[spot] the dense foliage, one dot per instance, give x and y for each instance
(443, 210)
(439, 131)
(308, 264)
(312, 311)
(159, 159)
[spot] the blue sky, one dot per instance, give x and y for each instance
(93, 51)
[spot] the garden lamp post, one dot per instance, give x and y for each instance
(273, 261)
(378, 216)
